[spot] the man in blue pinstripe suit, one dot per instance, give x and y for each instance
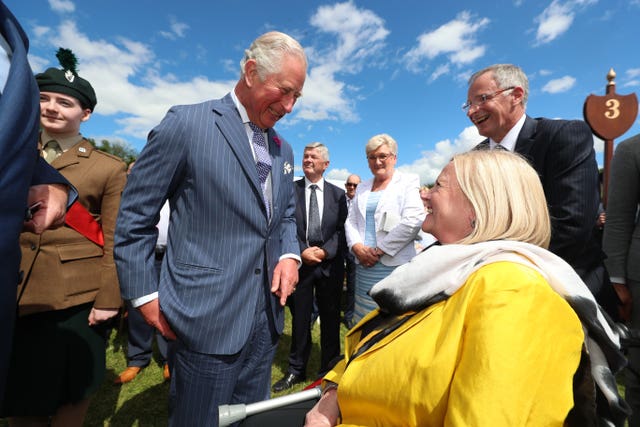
(562, 153)
(232, 253)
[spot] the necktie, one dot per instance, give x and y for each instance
(314, 233)
(263, 161)
(51, 151)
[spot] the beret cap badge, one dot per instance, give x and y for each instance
(67, 81)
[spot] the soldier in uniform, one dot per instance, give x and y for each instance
(69, 287)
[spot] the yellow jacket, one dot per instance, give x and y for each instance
(501, 351)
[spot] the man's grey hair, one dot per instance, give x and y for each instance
(321, 148)
(506, 75)
(268, 50)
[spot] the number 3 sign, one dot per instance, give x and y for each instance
(610, 115)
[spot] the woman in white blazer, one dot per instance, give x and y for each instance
(383, 220)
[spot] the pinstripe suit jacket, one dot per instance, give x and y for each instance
(221, 248)
(622, 229)
(562, 153)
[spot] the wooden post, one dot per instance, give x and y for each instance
(609, 117)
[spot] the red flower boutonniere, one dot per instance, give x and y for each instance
(277, 140)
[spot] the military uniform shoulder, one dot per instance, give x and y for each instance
(88, 148)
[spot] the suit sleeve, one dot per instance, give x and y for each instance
(571, 188)
(521, 340)
(622, 207)
(157, 170)
(45, 174)
(411, 217)
(351, 226)
(334, 244)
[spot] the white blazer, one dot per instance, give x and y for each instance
(398, 218)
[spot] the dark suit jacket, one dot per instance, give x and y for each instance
(334, 213)
(562, 153)
(622, 228)
(220, 240)
(19, 169)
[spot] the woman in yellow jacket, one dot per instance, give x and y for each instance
(486, 329)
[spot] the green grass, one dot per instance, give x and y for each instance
(143, 402)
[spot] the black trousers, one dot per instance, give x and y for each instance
(327, 293)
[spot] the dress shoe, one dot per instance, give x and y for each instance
(166, 374)
(127, 375)
(287, 382)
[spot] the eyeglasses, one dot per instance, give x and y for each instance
(350, 184)
(481, 99)
(382, 157)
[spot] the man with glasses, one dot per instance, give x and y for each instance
(562, 153)
(350, 266)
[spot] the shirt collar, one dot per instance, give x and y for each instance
(510, 139)
(308, 183)
(64, 143)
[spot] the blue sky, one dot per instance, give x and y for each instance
(374, 66)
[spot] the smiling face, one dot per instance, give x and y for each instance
(450, 213)
(61, 115)
(495, 117)
(313, 164)
(270, 100)
(382, 162)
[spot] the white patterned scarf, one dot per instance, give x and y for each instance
(437, 273)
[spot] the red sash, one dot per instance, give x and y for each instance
(79, 218)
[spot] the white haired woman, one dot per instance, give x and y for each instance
(383, 221)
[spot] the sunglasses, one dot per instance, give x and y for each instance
(349, 184)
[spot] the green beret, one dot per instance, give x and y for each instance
(68, 82)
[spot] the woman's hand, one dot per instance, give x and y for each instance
(366, 255)
(326, 412)
(99, 315)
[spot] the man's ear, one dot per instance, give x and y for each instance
(518, 94)
(250, 72)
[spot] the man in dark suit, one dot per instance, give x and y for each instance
(562, 153)
(321, 210)
(622, 246)
(349, 259)
(232, 256)
(25, 179)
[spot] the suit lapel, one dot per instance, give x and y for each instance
(526, 137)
(276, 166)
(234, 133)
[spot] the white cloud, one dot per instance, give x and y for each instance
(62, 6)
(126, 79)
(456, 40)
(562, 84)
(178, 29)
(355, 39)
(431, 162)
(557, 18)
(632, 73)
(338, 175)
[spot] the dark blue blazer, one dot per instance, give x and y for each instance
(20, 167)
(220, 240)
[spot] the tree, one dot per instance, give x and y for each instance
(120, 149)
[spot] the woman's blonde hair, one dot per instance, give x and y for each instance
(506, 195)
(378, 141)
